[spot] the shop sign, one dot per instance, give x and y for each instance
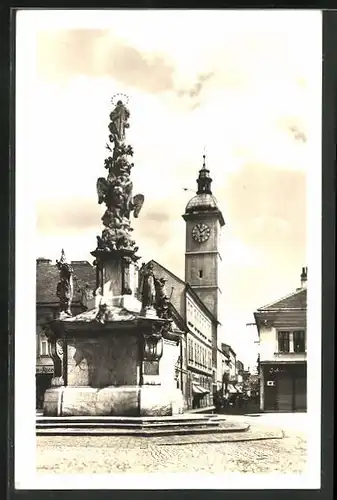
(44, 369)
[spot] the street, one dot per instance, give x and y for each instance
(214, 454)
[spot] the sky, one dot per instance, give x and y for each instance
(244, 86)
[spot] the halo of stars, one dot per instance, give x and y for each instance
(119, 97)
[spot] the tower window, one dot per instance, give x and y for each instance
(200, 273)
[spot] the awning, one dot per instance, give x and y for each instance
(197, 389)
(231, 389)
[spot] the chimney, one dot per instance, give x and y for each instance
(304, 277)
(42, 260)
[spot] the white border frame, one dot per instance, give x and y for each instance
(25, 322)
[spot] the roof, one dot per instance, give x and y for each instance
(174, 276)
(47, 278)
(294, 301)
(188, 288)
(227, 347)
(179, 320)
(288, 312)
(203, 201)
(223, 352)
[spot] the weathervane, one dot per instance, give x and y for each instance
(204, 157)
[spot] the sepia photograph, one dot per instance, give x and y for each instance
(168, 249)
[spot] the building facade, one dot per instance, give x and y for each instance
(240, 371)
(223, 370)
(200, 333)
(282, 329)
(47, 309)
(232, 368)
(195, 369)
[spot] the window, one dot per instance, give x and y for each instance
(299, 341)
(44, 348)
(283, 341)
(200, 273)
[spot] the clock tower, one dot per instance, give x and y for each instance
(204, 221)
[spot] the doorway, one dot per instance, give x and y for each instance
(43, 382)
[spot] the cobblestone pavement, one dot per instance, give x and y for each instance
(293, 424)
(112, 454)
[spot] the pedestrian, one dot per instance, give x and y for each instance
(217, 401)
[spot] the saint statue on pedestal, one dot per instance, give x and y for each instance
(65, 287)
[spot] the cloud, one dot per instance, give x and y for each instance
(237, 253)
(266, 208)
(97, 53)
(66, 216)
(193, 92)
(297, 134)
(294, 126)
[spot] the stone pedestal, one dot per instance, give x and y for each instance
(111, 366)
(125, 401)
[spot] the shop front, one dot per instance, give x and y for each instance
(43, 377)
(201, 391)
(285, 387)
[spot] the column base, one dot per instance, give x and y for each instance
(128, 401)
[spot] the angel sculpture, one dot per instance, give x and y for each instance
(136, 204)
(102, 188)
(102, 313)
(162, 299)
(119, 197)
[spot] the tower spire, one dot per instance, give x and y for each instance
(204, 180)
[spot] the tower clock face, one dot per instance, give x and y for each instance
(201, 232)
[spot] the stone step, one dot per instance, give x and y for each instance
(128, 420)
(126, 425)
(109, 431)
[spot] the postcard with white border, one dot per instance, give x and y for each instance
(167, 330)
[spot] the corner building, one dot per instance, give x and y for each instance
(282, 327)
